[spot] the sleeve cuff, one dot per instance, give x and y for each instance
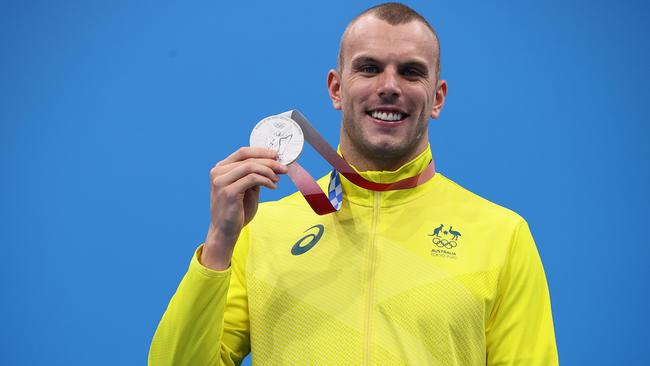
(196, 266)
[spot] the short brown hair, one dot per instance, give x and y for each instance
(393, 14)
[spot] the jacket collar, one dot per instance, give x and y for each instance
(364, 197)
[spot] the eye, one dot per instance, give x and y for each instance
(369, 69)
(413, 72)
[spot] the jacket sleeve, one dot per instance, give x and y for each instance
(520, 328)
(206, 321)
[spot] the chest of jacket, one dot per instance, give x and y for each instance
(404, 283)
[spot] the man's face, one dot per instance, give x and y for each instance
(386, 88)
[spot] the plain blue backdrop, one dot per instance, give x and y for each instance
(113, 112)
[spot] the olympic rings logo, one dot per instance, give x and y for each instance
(444, 243)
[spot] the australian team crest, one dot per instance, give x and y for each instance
(445, 241)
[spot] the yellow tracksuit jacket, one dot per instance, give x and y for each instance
(433, 275)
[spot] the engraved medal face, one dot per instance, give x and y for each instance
(281, 134)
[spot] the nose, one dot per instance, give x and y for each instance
(388, 84)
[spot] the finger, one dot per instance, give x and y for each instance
(244, 169)
(275, 165)
(247, 152)
(247, 182)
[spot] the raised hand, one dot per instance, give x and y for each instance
(234, 194)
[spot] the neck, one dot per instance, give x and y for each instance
(363, 162)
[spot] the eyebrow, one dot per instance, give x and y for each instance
(357, 62)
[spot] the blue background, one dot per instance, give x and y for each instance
(112, 114)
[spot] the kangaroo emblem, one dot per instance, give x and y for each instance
(445, 240)
(455, 233)
(436, 231)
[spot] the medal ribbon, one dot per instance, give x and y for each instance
(319, 202)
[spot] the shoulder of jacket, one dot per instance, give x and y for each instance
(469, 200)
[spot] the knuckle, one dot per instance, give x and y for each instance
(251, 166)
(228, 193)
(241, 151)
(250, 178)
(260, 179)
(254, 178)
(218, 170)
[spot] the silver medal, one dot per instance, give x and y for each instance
(281, 134)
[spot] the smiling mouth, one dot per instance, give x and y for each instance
(387, 116)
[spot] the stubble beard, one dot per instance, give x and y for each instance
(383, 153)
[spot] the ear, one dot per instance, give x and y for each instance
(334, 88)
(439, 101)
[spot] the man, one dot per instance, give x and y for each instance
(370, 284)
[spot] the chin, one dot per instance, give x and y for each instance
(386, 150)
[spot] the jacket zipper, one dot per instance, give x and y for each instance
(371, 278)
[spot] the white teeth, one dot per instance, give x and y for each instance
(387, 116)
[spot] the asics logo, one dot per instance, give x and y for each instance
(313, 238)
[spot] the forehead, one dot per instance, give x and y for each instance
(370, 36)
